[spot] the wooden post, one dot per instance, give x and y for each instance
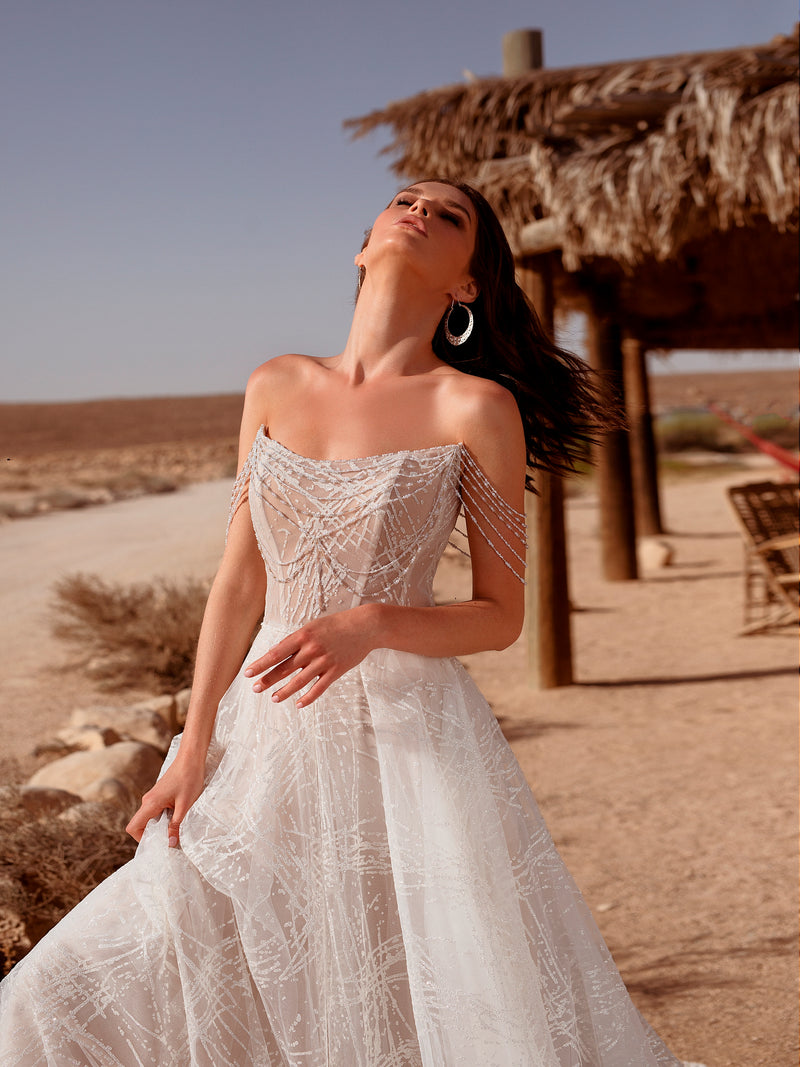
(611, 454)
(547, 606)
(523, 50)
(644, 459)
(547, 595)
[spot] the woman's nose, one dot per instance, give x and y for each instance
(420, 207)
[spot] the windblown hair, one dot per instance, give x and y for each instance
(557, 393)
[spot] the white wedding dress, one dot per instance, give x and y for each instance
(366, 882)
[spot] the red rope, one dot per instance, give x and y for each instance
(782, 455)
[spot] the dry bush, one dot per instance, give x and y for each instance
(48, 865)
(134, 482)
(137, 636)
(695, 431)
(778, 430)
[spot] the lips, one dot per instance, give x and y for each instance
(414, 224)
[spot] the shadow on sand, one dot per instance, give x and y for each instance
(696, 967)
(520, 729)
(705, 576)
(688, 679)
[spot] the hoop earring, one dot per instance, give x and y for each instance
(458, 338)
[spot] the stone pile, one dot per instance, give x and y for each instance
(62, 832)
(110, 754)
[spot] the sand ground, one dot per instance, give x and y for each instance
(666, 773)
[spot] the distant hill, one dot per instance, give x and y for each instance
(32, 429)
(35, 429)
(748, 391)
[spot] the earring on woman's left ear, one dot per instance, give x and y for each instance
(458, 338)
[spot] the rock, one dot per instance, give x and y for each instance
(653, 553)
(94, 812)
(148, 721)
(87, 738)
(112, 791)
(134, 764)
(39, 801)
(54, 747)
(63, 499)
(163, 706)
(182, 699)
(99, 495)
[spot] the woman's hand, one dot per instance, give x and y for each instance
(323, 649)
(176, 790)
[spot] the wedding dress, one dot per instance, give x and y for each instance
(366, 882)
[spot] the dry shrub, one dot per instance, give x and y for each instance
(48, 865)
(695, 431)
(137, 636)
(778, 430)
(134, 482)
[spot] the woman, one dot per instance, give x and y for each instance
(341, 863)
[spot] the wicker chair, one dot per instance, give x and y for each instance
(768, 516)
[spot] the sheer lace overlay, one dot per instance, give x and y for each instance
(363, 883)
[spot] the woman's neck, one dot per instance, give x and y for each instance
(392, 329)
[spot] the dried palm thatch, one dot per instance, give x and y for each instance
(631, 160)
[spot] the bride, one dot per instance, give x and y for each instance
(341, 863)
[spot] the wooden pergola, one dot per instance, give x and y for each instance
(659, 197)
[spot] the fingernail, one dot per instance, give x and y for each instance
(249, 673)
(258, 687)
(173, 842)
(276, 698)
(299, 703)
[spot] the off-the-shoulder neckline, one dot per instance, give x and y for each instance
(264, 436)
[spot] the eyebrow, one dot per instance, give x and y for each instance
(450, 203)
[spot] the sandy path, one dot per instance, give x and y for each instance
(176, 535)
(667, 774)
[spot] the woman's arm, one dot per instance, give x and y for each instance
(234, 606)
(325, 648)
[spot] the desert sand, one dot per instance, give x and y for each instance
(666, 773)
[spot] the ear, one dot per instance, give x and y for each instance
(467, 292)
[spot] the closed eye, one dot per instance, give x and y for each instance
(406, 201)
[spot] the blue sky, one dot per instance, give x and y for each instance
(178, 199)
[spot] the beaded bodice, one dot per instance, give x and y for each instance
(336, 533)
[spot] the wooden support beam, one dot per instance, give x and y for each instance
(644, 457)
(547, 591)
(543, 235)
(611, 455)
(547, 605)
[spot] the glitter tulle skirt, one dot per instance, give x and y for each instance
(363, 883)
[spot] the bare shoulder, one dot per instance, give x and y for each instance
(281, 371)
(274, 383)
(482, 409)
(278, 379)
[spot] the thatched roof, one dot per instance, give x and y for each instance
(632, 161)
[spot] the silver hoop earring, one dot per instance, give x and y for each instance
(458, 338)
